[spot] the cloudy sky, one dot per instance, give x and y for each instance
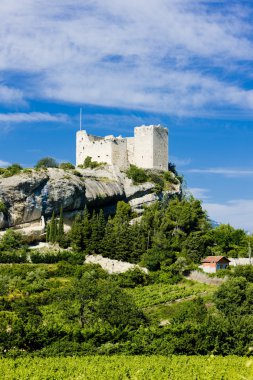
(186, 64)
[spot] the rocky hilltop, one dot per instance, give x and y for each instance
(30, 197)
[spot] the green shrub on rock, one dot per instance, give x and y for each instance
(138, 175)
(12, 170)
(66, 166)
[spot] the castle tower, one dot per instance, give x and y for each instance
(151, 147)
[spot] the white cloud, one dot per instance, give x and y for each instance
(199, 192)
(3, 164)
(238, 213)
(149, 55)
(10, 95)
(180, 161)
(233, 173)
(32, 117)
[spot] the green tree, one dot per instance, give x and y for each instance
(100, 300)
(229, 241)
(86, 230)
(76, 234)
(107, 245)
(60, 232)
(53, 229)
(47, 162)
(95, 233)
(234, 297)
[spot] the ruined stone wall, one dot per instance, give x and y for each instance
(119, 153)
(130, 150)
(98, 148)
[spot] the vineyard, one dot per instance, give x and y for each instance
(161, 293)
(128, 367)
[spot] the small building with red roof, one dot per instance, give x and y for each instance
(213, 263)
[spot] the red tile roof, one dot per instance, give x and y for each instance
(214, 259)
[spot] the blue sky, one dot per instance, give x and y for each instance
(181, 63)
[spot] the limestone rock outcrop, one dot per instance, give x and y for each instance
(32, 196)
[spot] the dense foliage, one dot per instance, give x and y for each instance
(163, 180)
(64, 307)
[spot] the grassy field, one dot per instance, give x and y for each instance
(128, 367)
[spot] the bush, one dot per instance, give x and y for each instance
(47, 162)
(133, 278)
(12, 240)
(12, 170)
(88, 163)
(66, 166)
(245, 271)
(77, 173)
(137, 175)
(19, 256)
(157, 180)
(56, 257)
(27, 171)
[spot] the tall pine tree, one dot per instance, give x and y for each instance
(53, 229)
(86, 230)
(76, 234)
(60, 232)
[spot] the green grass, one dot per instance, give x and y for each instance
(128, 367)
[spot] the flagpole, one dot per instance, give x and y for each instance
(81, 114)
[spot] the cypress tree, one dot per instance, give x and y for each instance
(86, 230)
(138, 242)
(53, 229)
(76, 234)
(108, 243)
(60, 232)
(101, 223)
(95, 233)
(123, 243)
(48, 231)
(101, 227)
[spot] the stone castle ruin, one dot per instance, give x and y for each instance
(148, 148)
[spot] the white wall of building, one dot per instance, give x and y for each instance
(147, 149)
(207, 269)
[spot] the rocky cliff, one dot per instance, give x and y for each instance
(31, 196)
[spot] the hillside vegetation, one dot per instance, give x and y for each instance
(52, 304)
